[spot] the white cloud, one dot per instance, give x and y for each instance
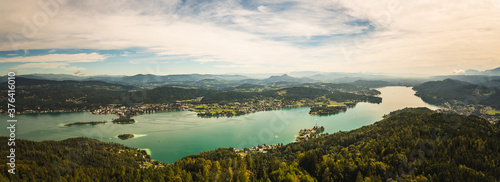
(41, 65)
(458, 71)
(54, 61)
(48, 66)
(69, 58)
(407, 36)
(262, 8)
(203, 60)
(73, 68)
(237, 66)
(434, 35)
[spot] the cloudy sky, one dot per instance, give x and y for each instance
(119, 37)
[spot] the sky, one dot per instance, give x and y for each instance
(117, 37)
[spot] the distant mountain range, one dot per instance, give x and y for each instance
(286, 78)
(487, 78)
(141, 79)
(138, 79)
(492, 72)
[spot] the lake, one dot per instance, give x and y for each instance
(170, 136)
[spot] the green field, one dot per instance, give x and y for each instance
(198, 99)
(334, 104)
(492, 112)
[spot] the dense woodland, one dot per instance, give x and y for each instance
(412, 144)
(32, 94)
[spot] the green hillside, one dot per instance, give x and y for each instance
(440, 92)
(44, 95)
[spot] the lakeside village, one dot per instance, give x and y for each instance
(457, 107)
(142, 157)
(319, 106)
(461, 108)
(303, 135)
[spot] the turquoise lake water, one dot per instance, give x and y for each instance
(172, 135)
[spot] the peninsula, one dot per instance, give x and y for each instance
(86, 123)
(305, 134)
(330, 108)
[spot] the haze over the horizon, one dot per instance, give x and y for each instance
(280, 36)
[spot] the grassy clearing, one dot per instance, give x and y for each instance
(335, 104)
(492, 112)
(218, 110)
(198, 99)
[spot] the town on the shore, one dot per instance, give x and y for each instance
(302, 135)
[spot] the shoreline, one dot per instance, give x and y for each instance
(197, 113)
(86, 123)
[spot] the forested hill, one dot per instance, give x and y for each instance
(28, 83)
(440, 92)
(33, 94)
(171, 94)
(412, 144)
(74, 159)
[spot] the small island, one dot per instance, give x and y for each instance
(305, 134)
(125, 136)
(86, 123)
(124, 120)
